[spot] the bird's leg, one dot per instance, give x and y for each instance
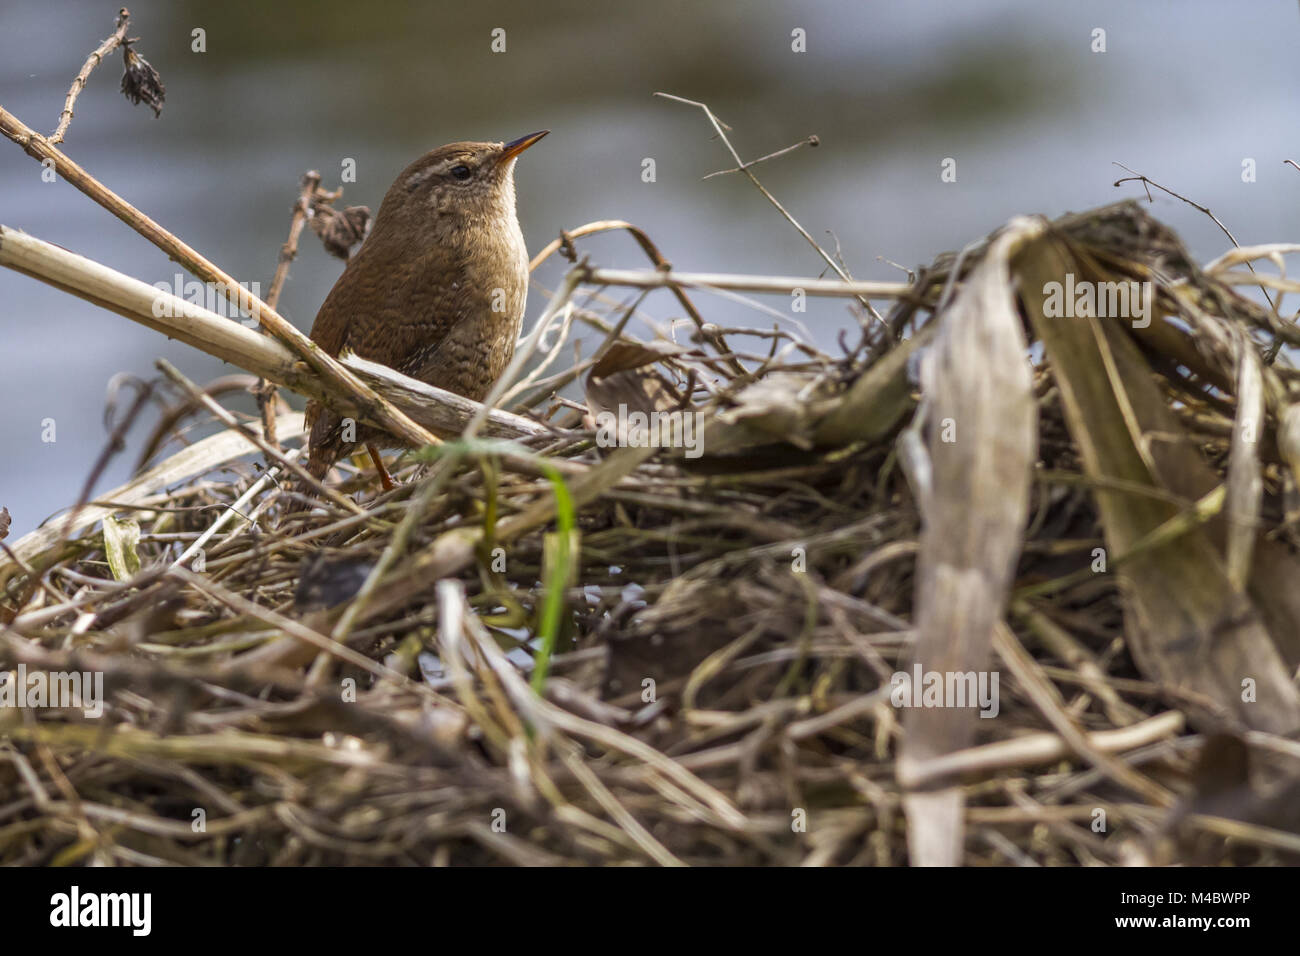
(384, 476)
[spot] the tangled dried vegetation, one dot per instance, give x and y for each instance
(1100, 512)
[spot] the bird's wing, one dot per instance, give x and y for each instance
(385, 315)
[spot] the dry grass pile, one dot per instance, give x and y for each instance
(540, 648)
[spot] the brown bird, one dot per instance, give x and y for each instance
(436, 291)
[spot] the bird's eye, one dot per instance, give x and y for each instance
(461, 172)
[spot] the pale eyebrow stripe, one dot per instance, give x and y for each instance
(420, 176)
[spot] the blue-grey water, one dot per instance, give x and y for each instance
(1013, 91)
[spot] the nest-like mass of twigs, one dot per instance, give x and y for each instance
(719, 690)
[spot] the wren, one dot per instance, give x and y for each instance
(437, 289)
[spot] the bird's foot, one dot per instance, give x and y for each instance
(384, 477)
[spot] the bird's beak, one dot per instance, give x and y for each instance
(512, 149)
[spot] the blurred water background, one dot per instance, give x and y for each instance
(1009, 88)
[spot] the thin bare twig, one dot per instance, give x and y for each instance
(116, 442)
(743, 167)
(1147, 183)
(97, 57)
(264, 389)
(809, 141)
(289, 251)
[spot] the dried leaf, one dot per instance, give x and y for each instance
(1245, 486)
(878, 400)
(626, 356)
(120, 541)
(983, 438)
(1186, 624)
(624, 379)
(141, 82)
(1288, 438)
(340, 231)
(785, 405)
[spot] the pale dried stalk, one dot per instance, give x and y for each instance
(781, 285)
(1039, 748)
(975, 382)
(1245, 484)
(228, 340)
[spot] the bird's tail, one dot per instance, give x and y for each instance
(319, 460)
(323, 449)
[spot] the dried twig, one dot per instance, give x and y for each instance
(809, 141)
(1147, 183)
(110, 44)
(116, 442)
(743, 167)
(264, 390)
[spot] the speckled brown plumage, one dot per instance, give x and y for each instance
(437, 290)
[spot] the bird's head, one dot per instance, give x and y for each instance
(471, 183)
